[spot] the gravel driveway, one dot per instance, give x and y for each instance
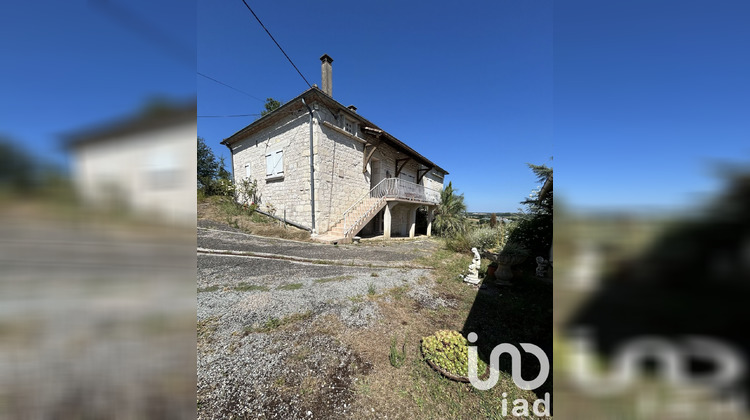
(250, 364)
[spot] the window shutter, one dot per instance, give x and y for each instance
(279, 168)
(269, 165)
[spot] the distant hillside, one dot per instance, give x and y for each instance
(484, 217)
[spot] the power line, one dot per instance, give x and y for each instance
(277, 44)
(231, 87)
(153, 33)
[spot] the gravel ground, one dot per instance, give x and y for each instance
(84, 331)
(374, 252)
(263, 350)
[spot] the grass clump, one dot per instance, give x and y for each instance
(291, 286)
(247, 287)
(332, 279)
(371, 289)
(397, 357)
(275, 323)
(398, 292)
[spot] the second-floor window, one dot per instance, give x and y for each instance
(275, 164)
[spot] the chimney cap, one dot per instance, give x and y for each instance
(352, 108)
(326, 58)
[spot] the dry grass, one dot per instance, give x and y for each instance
(224, 210)
(415, 390)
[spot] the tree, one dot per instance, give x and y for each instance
(208, 167)
(450, 218)
(493, 220)
(270, 105)
(17, 168)
(540, 201)
(222, 173)
(534, 231)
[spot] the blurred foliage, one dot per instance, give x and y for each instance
(25, 176)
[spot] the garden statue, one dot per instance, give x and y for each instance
(473, 276)
(541, 266)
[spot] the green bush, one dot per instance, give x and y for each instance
(450, 351)
(458, 242)
(485, 238)
(481, 238)
(534, 234)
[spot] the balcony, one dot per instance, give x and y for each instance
(401, 190)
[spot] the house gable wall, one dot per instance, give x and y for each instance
(292, 192)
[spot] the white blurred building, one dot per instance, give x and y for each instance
(145, 163)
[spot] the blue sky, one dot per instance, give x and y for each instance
(638, 101)
(651, 97)
(467, 85)
(69, 65)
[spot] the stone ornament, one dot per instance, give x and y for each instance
(473, 276)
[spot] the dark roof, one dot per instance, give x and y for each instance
(157, 118)
(316, 94)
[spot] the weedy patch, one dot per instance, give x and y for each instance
(398, 292)
(291, 286)
(247, 287)
(371, 289)
(209, 288)
(275, 323)
(333, 279)
(207, 326)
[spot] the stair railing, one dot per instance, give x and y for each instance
(387, 188)
(379, 191)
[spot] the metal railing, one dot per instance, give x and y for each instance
(388, 188)
(409, 191)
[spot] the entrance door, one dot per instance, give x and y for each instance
(375, 175)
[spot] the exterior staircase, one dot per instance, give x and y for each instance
(364, 209)
(356, 218)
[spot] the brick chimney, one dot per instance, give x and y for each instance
(326, 71)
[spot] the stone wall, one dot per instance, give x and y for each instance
(339, 179)
(292, 192)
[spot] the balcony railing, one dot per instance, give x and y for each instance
(405, 190)
(389, 188)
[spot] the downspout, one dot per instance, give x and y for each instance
(312, 169)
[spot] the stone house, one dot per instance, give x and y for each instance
(145, 163)
(363, 179)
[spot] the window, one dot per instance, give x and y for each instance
(247, 171)
(275, 164)
(350, 126)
